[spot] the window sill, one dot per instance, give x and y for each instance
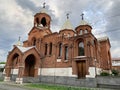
(58, 57)
(58, 60)
(65, 60)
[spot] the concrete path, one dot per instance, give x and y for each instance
(6, 86)
(13, 86)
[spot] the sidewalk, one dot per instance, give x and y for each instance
(13, 86)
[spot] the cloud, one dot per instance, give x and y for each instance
(14, 22)
(28, 5)
(2, 55)
(113, 27)
(16, 18)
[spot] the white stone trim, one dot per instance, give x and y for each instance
(58, 60)
(65, 60)
(98, 71)
(14, 71)
(93, 71)
(6, 79)
(56, 72)
(19, 80)
(4, 71)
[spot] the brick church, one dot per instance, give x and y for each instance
(74, 53)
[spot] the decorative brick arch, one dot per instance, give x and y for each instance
(31, 61)
(80, 59)
(13, 60)
(77, 41)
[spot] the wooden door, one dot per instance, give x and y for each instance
(81, 66)
(31, 71)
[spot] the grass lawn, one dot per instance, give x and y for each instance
(55, 87)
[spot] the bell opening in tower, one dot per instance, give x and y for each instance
(43, 21)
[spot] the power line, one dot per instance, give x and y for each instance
(106, 17)
(117, 29)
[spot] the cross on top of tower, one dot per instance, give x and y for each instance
(82, 16)
(19, 42)
(44, 5)
(67, 15)
(19, 38)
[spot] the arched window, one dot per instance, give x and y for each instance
(43, 21)
(34, 41)
(69, 35)
(85, 31)
(50, 50)
(60, 49)
(46, 49)
(80, 49)
(81, 32)
(66, 52)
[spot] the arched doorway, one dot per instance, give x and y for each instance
(29, 66)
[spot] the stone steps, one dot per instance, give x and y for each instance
(116, 87)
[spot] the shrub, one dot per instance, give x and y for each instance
(115, 72)
(1, 69)
(2, 62)
(104, 74)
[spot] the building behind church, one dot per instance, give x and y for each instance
(74, 53)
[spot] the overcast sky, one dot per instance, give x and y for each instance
(16, 19)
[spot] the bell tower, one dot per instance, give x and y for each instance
(84, 27)
(42, 19)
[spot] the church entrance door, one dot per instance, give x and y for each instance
(29, 66)
(81, 67)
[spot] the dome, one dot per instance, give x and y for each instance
(83, 22)
(43, 10)
(67, 25)
(18, 43)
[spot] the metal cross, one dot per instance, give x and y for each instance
(19, 38)
(82, 16)
(44, 5)
(67, 15)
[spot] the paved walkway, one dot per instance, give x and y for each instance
(6, 86)
(13, 86)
